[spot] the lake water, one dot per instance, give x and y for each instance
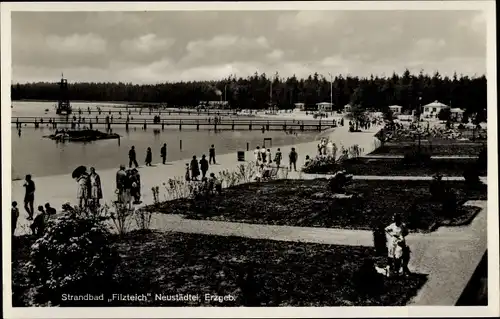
(33, 154)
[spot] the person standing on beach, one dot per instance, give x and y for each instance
(293, 159)
(195, 169)
(149, 157)
(14, 213)
(203, 166)
(95, 187)
(29, 197)
(121, 175)
(83, 190)
(263, 154)
(268, 156)
(211, 154)
(277, 158)
(163, 153)
(132, 158)
(258, 156)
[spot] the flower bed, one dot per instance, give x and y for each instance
(449, 148)
(284, 273)
(396, 167)
(307, 203)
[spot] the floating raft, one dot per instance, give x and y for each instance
(82, 136)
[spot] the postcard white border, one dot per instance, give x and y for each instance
(415, 311)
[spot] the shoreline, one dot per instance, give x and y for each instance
(188, 158)
(60, 189)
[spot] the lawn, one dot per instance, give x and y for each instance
(308, 203)
(284, 273)
(443, 148)
(396, 167)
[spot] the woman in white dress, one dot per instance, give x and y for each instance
(396, 233)
(329, 148)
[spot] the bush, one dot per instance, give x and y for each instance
(482, 161)
(437, 189)
(471, 175)
(323, 164)
(449, 204)
(73, 257)
(366, 280)
(416, 157)
(339, 182)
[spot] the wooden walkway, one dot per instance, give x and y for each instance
(203, 123)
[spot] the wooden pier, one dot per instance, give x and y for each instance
(146, 111)
(188, 123)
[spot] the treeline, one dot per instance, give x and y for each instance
(408, 90)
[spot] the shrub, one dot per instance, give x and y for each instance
(471, 175)
(449, 203)
(121, 217)
(417, 157)
(437, 188)
(482, 161)
(73, 257)
(366, 280)
(338, 182)
(246, 173)
(322, 164)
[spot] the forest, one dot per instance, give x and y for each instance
(254, 92)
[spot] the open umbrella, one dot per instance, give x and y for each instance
(79, 171)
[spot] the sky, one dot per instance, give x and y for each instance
(169, 46)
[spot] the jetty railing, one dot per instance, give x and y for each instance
(198, 123)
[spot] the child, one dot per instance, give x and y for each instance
(14, 216)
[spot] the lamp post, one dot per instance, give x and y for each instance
(419, 111)
(271, 94)
(331, 91)
(225, 94)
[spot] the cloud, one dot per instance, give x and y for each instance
(77, 44)
(225, 49)
(275, 54)
(146, 44)
(158, 46)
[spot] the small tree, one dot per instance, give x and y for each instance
(444, 115)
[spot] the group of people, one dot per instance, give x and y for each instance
(89, 189)
(39, 221)
(207, 186)
(196, 168)
(398, 251)
(132, 156)
(264, 158)
(128, 186)
(326, 147)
